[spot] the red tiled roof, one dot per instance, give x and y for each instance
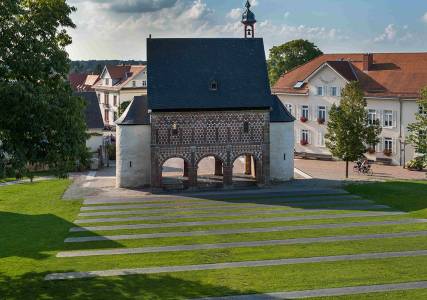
(390, 75)
(76, 80)
(124, 73)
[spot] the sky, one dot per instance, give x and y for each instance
(118, 29)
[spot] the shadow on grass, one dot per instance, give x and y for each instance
(408, 196)
(31, 235)
(33, 286)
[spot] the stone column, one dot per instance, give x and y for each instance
(248, 165)
(260, 174)
(228, 176)
(218, 167)
(192, 177)
(185, 169)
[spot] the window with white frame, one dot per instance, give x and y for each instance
(319, 91)
(321, 115)
(107, 81)
(289, 108)
(304, 111)
(388, 144)
(334, 91)
(372, 116)
(421, 110)
(304, 136)
(144, 83)
(388, 118)
(134, 83)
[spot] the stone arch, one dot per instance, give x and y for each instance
(180, 182)
(210, 175)
(252, 167)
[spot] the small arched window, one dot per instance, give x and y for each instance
(213, 85)
(246, 127)
(174, 129)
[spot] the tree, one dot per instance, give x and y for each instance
(418, 129)
(288, 56)
(40, 119)
(123, 107)
(349, 133)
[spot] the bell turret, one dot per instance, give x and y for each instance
(248, 20)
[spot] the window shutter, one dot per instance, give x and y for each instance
(395, 148)
(310, 112)
(325, 91)
(381, 145)
(394, 119)
(310, 138)
(316, 113)
(338, 91)
(327, 113)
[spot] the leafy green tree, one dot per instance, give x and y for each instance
(418, 129)
(40, 119)
(349, 133)
(123, 107)
(290, 55)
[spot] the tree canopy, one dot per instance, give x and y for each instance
(418, 129)
(40, 119)
(292, 54)
(349, 133)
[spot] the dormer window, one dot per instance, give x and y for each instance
(107, 81)
(213, 85)
(299, 84)
(134, 83)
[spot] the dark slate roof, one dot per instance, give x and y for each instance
(279, 113)
(344, 68)
(93, 114)
(136, 113)
(181, 70)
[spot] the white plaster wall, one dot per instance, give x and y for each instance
(409, 111)
(326, 78)
(94, 142)
(133, 145)
(138, 80)
(281, 145)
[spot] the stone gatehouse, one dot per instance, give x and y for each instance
(225, 135)
(206, 98)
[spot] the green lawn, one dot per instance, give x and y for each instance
(408, 196)
(34, 222)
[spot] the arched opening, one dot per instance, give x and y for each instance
(174, 174)
(245, 170)
(210, 172)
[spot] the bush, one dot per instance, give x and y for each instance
(418, 163)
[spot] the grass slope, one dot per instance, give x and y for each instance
(34, 222)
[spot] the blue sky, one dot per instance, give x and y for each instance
(117, 29)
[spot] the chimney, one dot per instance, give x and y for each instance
(368, 61)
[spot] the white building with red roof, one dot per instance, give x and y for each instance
(118, 84)
(391, 83)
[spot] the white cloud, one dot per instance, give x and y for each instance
(394, 34)
(389, 34)
(425, 17)
(235, 13)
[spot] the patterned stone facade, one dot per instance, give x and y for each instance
(226, 135)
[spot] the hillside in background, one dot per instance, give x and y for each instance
(96, 66)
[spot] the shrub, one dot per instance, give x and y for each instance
(418, 164)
